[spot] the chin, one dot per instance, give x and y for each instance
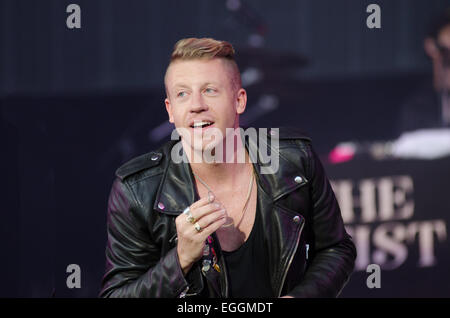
(205, 150)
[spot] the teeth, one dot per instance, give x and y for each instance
(200, 124)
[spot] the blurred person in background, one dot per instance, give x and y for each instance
(429, 107)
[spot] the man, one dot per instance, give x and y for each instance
(223, 227)
(429, 106)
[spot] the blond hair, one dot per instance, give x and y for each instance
(206, 48)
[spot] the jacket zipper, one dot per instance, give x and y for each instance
(291, 258)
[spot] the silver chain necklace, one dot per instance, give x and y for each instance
(244, 209)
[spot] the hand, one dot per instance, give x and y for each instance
(210, 216)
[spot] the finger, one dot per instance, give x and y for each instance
(203, 201)
(190, 233)
(210, 218)
(211, 228)
(210, 197)
(200, 212)
(189, 229)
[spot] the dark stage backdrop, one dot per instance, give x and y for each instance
(76, 104)
(397, 212)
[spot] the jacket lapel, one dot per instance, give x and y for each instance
(281, 181)
(281, 233)
(177, 188)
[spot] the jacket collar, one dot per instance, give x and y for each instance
(177, 188)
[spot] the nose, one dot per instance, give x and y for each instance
(198, 104)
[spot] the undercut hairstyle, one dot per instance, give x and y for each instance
(206, 48)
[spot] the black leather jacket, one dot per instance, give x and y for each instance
(310, 253)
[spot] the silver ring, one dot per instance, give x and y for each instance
(189, 216)
(197, 227)
(187, 211)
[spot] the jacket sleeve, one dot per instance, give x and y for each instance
(334, 253)
(134, 266)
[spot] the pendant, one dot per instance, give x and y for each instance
(206, 250)
(216, 267)
(206, 265)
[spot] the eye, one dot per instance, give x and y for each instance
(181, 94)
(210, 90)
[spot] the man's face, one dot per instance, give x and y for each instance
(443, 44)
(439, 51)
(201, 93)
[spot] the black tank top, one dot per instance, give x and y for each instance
(247, 266)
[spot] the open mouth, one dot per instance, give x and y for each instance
(202, 124)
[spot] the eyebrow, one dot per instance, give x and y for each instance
(181, 85)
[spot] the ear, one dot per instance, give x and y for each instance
(430, 48)
(169, 109)
(241, 101)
